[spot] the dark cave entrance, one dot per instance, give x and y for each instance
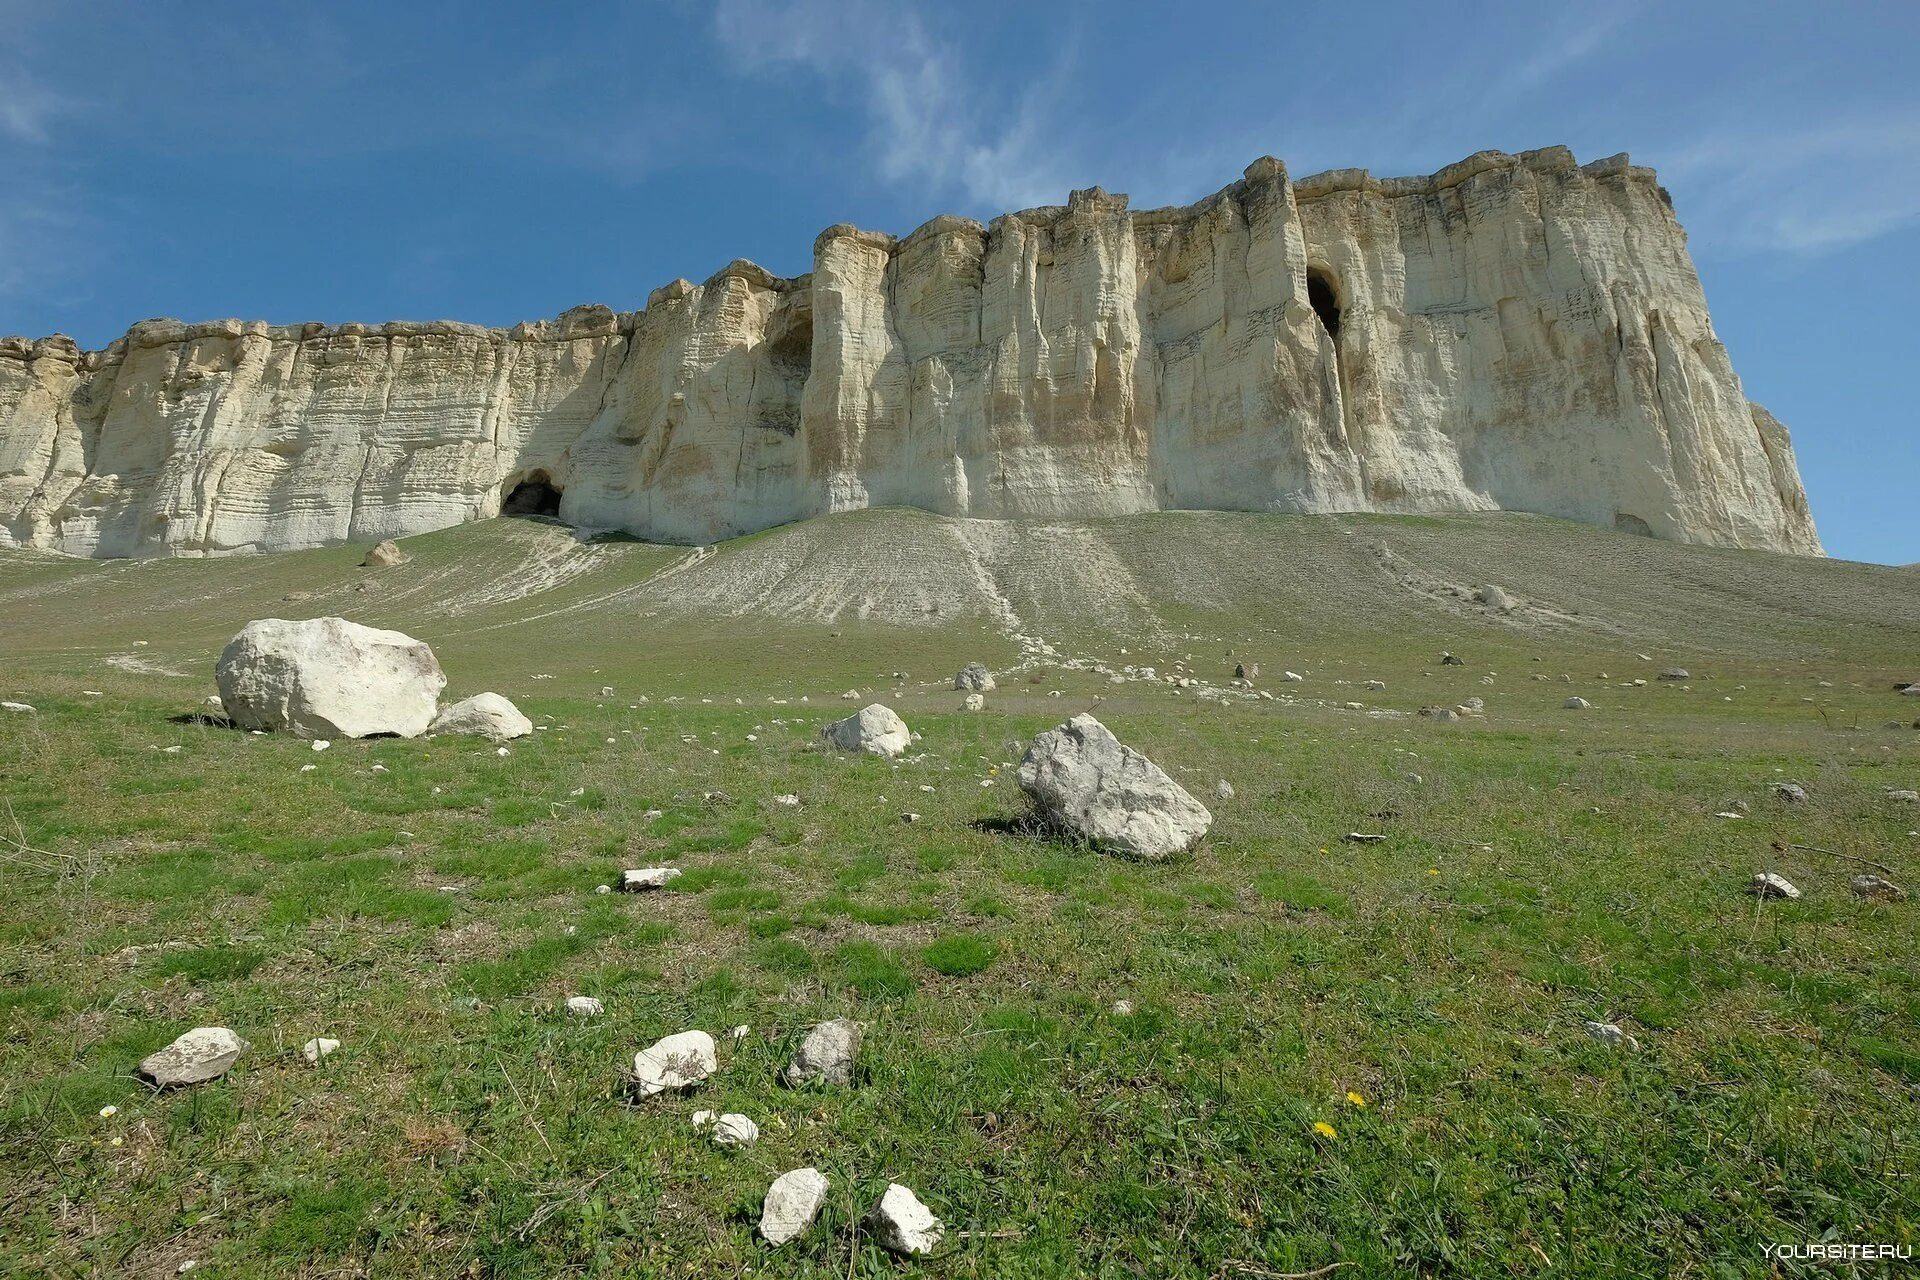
(1324, 298)
(537, 495)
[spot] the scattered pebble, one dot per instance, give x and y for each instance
(1768, 885)
(202, 1054)
(321, 744)
(1123, 1008)
(1610, 1035)
(1791, 792)
(735, 1131)
(640, 879)
(318, 1048)
(791, 1205)
(584, 1007)
(673, 1063)
(1869, 886)
(902, 1224)
(827, 1054)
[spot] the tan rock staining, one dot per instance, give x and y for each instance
(1514, 332)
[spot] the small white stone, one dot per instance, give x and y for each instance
(791, 1204)
(1610, 1035)
(1123, 1008)
(318, 1048)
(674, 1062)
(584, 1007)
(826, 1055)
(734, 1130)
(380, 768)
(701, 1119)
(603, 888)
(1867, 886)
(1223, 789)
(1292, 677)
(321, 744)
(740, 1033)
(1768, 885)
(639, 879)
(16, 706)
(788, 801)
(903, 1225)
(203, 1053)
(309, 768)
(501, 751)
(1577, 704)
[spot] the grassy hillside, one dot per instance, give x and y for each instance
(1540, 867)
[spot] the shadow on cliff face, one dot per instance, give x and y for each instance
(536, 495)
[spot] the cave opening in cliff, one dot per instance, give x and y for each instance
(1325, 301)
(536, 495)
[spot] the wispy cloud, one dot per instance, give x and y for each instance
(27, 108)
(927, 121)
(1812, 189)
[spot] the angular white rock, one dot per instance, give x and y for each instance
(488, 715)
(1768, 885)
(1609, 1034)
(1577, 704)
(827, 1055)
(674, 1062)
(584, 1007)
(902, 1224)
(873, 729)
(1087, 782)
(640, 879)
(1870, 886)
(974, 702)
(203, 1053)
(974, 676)
(792, 1203)
(327, 677)
(318, 1048)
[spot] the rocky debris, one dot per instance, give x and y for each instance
(874, 729)
(327, 677)
(1791, 792)
(902, 1224)
(909, 817)
(1362, 837)
(1248, 671)
(1610, 1035)
(384, 555)
(674, 1063)
(1084, 781)
(641, 879)
(851, 695)
(974, 702)
(740, 1033)
(1494, 598)
(1766, 884)
(974, 676)
(1871, 886)
(1375, 686)
(1223, 789)
(791, 1205)
(1911, 691)
(1449, 660)
(1474, 706)
(735, 1131)
(826, 1056)
(1440, 713)
(788, 800)
(318, 1048)
(25, 708)
(486, 714)
(1903, 795)
(1291, 677)
(1577, 704)
(1675, 673)
(1123, 1008)
(584, 1007)
(202, 1054)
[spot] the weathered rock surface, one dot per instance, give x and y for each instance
(202, 1054)
(735, 1130)
(902, 1224)
(641, 879)
(974, 677)
(1086, 781)
(1766, 884)
(327, 677)
(827, 1055)
(488, 715)
(1512, 332)
(674, 1062)
(384, 555)
(791, 1205)
(318, 1048)
(1871, 886)
(873, 729)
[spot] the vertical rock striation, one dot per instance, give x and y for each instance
(1514, 332)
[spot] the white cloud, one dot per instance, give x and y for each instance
(1811, 189)
(927, 122)
(26, 108)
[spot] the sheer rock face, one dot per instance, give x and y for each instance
(1511, 333)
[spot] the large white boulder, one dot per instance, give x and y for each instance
(674, 1063)
(792, 1203)
(1090, 784)
(873, 729)
(328, 678)
(202, 1054)
(487, 714)
(975, 677)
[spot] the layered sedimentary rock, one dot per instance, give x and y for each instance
(1514, 332)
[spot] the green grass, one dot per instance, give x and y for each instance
(1547, 868)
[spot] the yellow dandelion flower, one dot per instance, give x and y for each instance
(108, 1112)
(1433, 871)
(1356, 1099)
(1324, 1129)
(119, 1142)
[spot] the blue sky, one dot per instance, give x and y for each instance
(495, 163)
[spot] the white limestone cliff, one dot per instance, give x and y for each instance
(1514, 332)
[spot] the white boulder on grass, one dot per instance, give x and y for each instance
(674, 1063)
(584, 1007)
(641, 879)
(1870, 886)
(328, 678)
(873, 729)
(792, 1203)
(488, 715)
(1088, 783)
(1577, 704)
(318, 1048)
(827, 1054)
(202, 1054)
(903, 1225)
(734, 1130)
(974, 676)
(1768, 885)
